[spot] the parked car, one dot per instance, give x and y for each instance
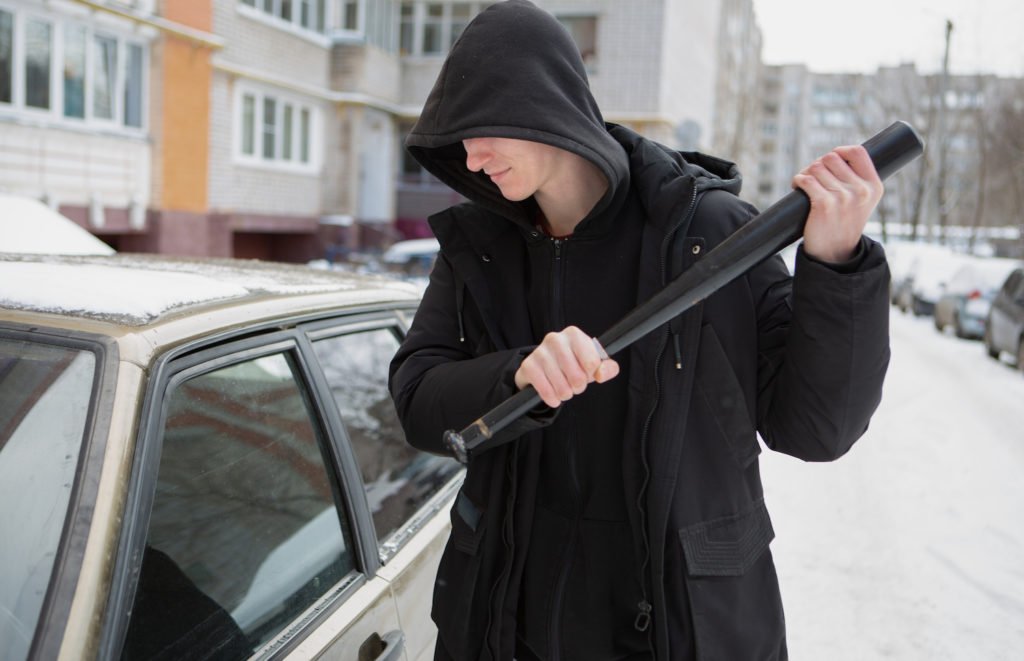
(28, 226)
(200, 459)
(414, 257)
(966, 301)
(926, 278)
(1004, 329)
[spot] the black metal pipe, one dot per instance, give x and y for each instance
(769, 232)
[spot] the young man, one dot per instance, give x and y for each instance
(626, 518)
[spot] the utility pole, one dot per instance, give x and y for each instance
(942, 139)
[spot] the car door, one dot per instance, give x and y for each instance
(247, 532)
(408, 492)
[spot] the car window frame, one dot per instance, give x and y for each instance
(219, 350)
(398, 325)
(67, 565)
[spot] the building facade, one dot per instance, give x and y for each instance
(273, 128)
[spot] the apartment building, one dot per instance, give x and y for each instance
(273, 128)
(960, 183)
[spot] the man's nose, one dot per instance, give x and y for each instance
(477, 153)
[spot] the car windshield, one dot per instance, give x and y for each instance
(45, 392)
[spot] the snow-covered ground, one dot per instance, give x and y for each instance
(912, 545)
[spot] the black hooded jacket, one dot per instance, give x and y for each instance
(630, 520)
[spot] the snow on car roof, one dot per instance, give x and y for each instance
(135, 290)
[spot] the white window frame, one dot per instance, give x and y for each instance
(281, 99)
(419, 22)
(54, 115)
(258, 12)
(377, 23)
(563, 17)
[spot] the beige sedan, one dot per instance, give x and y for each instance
(200, 460)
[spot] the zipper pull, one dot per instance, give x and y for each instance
(643, 618)
(679, 355)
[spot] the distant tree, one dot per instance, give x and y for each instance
(1004, 179)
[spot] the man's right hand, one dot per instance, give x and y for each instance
(563, 364)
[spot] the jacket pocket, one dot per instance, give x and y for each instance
(727, 546)
(733, 590)
(716, 382)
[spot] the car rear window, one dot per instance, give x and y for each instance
(45, 392)
(398, 478)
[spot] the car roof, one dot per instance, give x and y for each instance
(983, 272)
(131, 291)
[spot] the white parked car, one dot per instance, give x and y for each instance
(28, 226)
(921, 273)
(201, 460)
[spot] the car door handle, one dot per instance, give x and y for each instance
(388, 647)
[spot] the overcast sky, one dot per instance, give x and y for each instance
(860, 35)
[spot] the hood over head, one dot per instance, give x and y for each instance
(515, 72)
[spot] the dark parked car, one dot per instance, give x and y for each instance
(201, 460)
(965, 303)
(1004, 330)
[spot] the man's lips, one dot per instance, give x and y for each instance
(495, 176)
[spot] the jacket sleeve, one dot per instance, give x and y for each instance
(823, 351)
(437, 379)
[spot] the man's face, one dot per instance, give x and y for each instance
(519, 168)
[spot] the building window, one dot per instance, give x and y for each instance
(248, 124)
(62, 69)
(407, 29)
(304, 135)
(433, 25)
(133, 87)
(37, 63)
(584, 32)
(287, 130)
(304, 14)
(350, 14)
(6, 55)
(430, 28)
(269, 127)
(274, 130)
(104, 70)
(369, 21)
(75, 40)
(461, 15)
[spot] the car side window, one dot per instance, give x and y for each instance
(247, 528)
(398, 478)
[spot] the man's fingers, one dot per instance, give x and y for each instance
(563, 364)
(832, 175)
(859, 161)
(608, 369)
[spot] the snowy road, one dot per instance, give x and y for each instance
(912, 545)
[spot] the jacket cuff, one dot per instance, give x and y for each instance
(542, 414)
(852, 265)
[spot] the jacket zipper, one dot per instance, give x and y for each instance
(644, 608)
(558, 319)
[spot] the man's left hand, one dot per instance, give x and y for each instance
(844, 189)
